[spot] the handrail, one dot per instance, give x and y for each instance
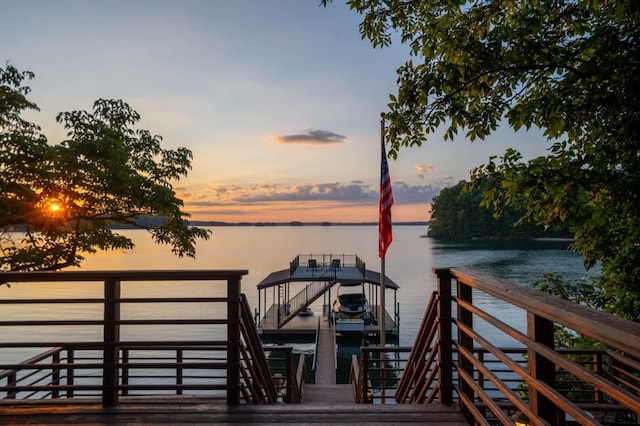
(609, 329)
(255, 359)
(315, 349)
(124, 275)
(300, 378)
(355, 379)
(543, 401)
(414, 374)
(304, 298)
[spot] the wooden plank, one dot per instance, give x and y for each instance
(299, 324)
(326, 358)
(165, 411)
(128, 275)
(315, 394)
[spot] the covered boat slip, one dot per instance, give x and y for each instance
(284, 297)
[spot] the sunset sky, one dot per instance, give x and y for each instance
(279, 100)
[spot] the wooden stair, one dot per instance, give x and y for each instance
(306, 297)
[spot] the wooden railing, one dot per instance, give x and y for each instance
(325, 259)
(217, 354)
(289, 380)
(254, 368)
(452, 363)
(418, 382)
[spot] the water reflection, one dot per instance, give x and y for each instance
(262, 250)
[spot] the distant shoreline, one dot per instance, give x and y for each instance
(145, 222)
(295, 223)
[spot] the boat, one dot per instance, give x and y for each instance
(351, 310)
(351, 304)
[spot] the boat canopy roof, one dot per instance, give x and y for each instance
(284, 276)
(305, 268)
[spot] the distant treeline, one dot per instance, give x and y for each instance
(148, 221)
(456, 213)
(145, 220)
(297, 223)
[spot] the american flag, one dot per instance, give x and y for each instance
(386, 201)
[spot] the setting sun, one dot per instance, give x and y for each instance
(53, 206)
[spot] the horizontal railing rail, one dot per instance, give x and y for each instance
(144, 370)
(380, 372)
(543, 372)
(205, 343)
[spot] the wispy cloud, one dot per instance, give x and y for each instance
(404, 193)
(354, 200)
(352, 193)
(313, 137)
(423, 169)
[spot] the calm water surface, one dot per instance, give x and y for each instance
(262, 250)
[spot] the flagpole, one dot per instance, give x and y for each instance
(383, 311)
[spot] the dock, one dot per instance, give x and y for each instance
(304, 325)
(311, 277)
(325, 390)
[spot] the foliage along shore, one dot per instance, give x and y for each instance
(457, 214)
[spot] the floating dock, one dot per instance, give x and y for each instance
(285, 297)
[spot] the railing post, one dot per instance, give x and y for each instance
(289, 375)
(179, 372)
(383, 384)
(445, 347)
(464, 340)
(541, 330)
(111, 332)
(365, 376)
(70, 372)
(598, 369)
(233, 341)
(55, 376)
(12, 382)
(125, 371)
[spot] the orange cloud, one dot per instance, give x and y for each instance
(422, 169)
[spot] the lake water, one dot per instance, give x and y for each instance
(261, 250)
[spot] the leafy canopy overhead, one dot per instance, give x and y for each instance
(567, 67)
(66, 197)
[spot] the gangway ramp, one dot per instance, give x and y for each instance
(325, 390)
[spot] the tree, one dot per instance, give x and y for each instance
(567, 67)
(457, 213)
(64, 199)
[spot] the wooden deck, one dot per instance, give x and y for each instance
(324, 403)
(308, 324)
(173, 411)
